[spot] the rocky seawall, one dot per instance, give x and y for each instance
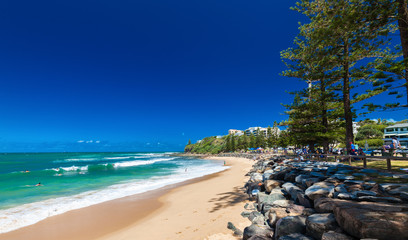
(322, 200)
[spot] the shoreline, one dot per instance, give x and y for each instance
(125, 217)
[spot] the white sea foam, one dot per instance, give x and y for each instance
(27, 214)
(139, 163)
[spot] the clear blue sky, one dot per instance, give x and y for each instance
(140, 75)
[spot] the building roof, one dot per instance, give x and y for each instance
(398, 125)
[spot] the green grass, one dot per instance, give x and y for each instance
(382, 164)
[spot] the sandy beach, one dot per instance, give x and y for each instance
(196, 209)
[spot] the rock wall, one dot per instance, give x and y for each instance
(322, 200)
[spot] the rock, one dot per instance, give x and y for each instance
(292, 189)
(309, 182)
(267, 174)
(274, 214)
(289, 225)
(325, 205)
(266, 203)
(346, 196)
(256, 177)
(369, 171)
(290, 176)
(331, 235)
(317, 175)
(364, 193)
(253, 215)
(282, 203)
(372, 220)
(341, 188)
(303, 200)
(308, 211)
(245, 214)
(379, 199)
(259, 220)
(271, 184)
(320, 189)
(301, 177)
(254, 229)
(360, 175)
(295, 236)
(317, 224)
(259, 237)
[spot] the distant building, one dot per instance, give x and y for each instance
(263, 131)
(235, 132)
(398, 130)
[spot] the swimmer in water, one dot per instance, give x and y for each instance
(39, 184)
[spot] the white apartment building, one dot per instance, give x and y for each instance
(398, 130)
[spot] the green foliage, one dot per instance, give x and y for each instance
(372, 143)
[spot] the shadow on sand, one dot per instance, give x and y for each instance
(229, 198)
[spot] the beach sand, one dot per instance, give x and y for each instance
(196, 209)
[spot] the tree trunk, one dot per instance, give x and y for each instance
(325, 123)
(346, 98)
(403, 28)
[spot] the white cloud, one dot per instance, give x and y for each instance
(80, 141)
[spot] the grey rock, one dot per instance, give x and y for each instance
(245, 214)
(292, 189)
(341, 188)
(259, 237)
(346, 196)
(295, 236)
(317, 175)
(267, 174)
(317, 224)
(309, 182)
(379, 199)
(289, 225)
(256, 177)
(253, 215)
(254, 229)
(301, 177)
(331, 235)
(359, 175)
(320, 189)
(303, 200)
(365, 193)
(369, 171)
(259, 220)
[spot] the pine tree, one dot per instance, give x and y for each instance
(339, 49)
(189, 142)
(233, 147)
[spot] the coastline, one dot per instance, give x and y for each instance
(196, 209)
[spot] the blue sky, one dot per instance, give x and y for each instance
(140, 75)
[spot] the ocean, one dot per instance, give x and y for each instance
(75, 180)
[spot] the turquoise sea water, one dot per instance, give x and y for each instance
(75, 180)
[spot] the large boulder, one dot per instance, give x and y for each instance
(259, 230)
(372, 220)
(289, 225)
(320, 189)
(317, 224)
